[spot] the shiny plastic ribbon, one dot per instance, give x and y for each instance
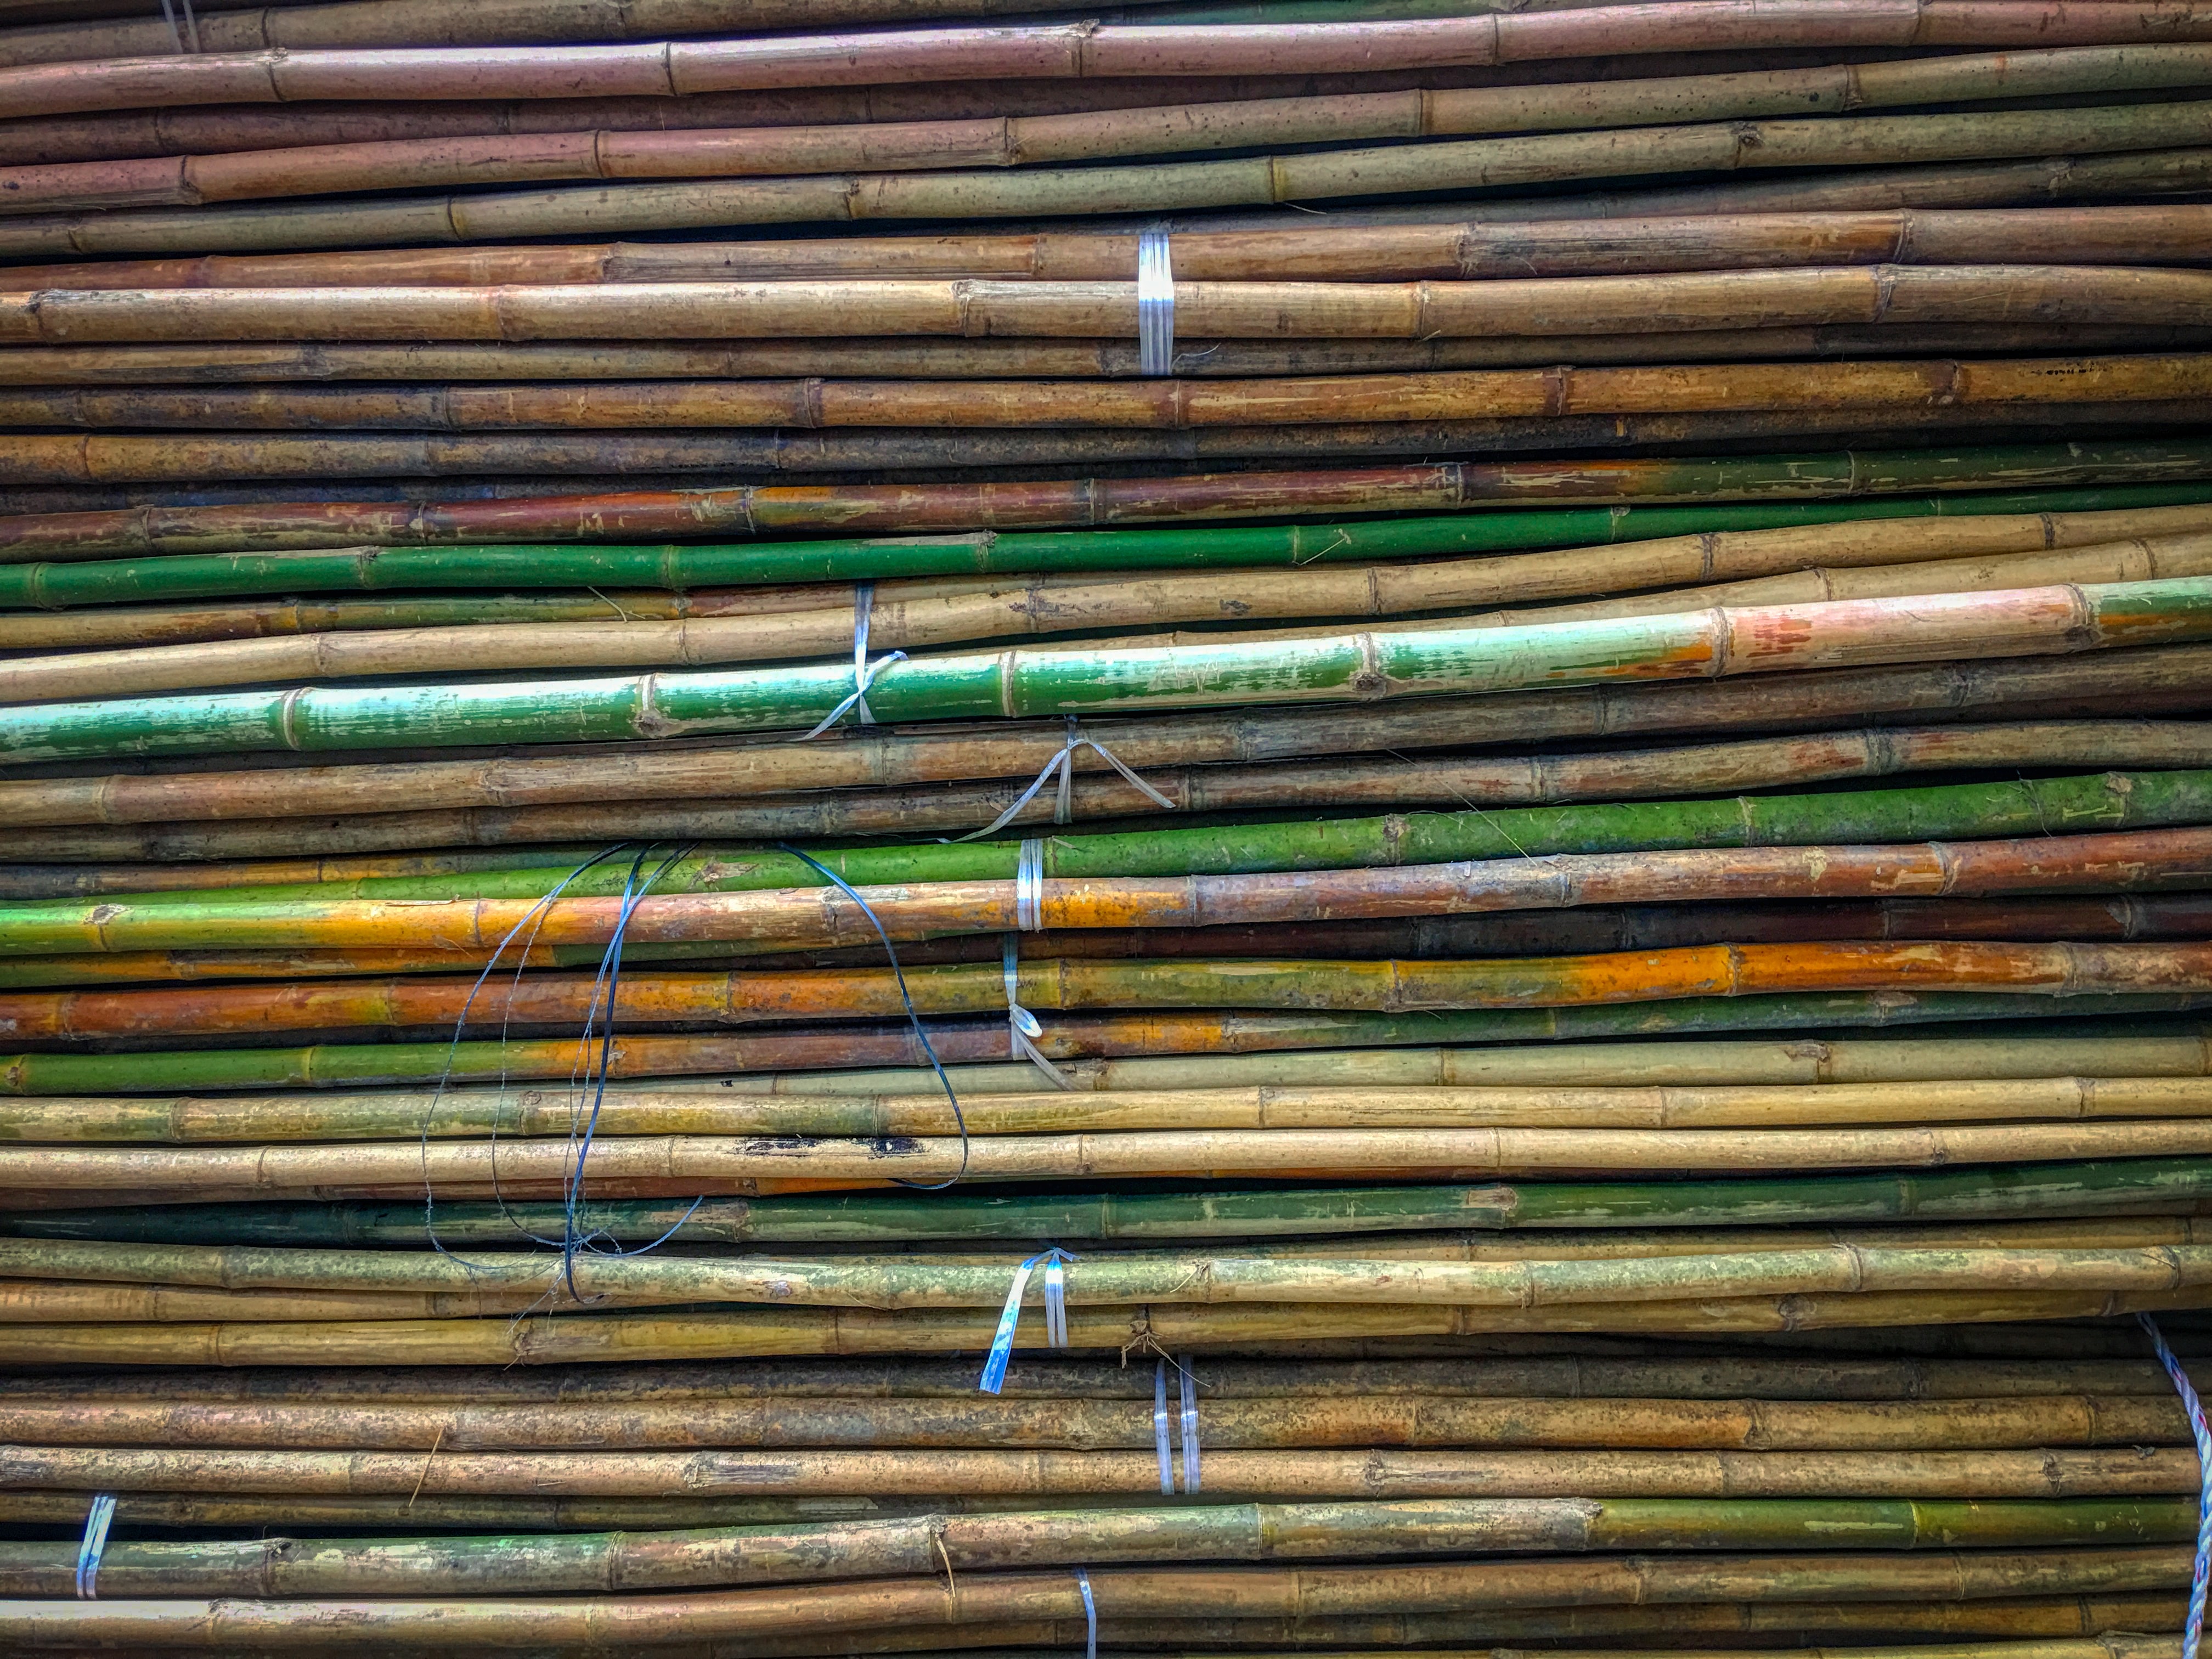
(1029, 887)
(1155, 305)
(1160, 1429)
(1089, 1614)
(1063, 809)
(2194, 1407)
(1055, 1314)
(864, 672)
(192, 28)
(1189, 1385)
(1022, 1027)
(93, 1544)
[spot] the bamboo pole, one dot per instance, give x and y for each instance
(2160, 233)
(316, 1118)
(735, 1165)
(1564, 306)
(173, 1282)
(2034, 621)
(1047, 51)
(1001, 140)
(2133, 1185)
(1205, 1033)
(785, 995)
(995, 508)
(2159, 677)
(560, 1564)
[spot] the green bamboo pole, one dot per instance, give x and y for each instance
(1350, 667)
(26, 582)
(925, 1544)
(2124, 1186)
(1069, 1037)
(291, 916)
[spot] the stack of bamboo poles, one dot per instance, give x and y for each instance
(1401, 843)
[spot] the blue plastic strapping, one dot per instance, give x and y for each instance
(1022, 1027)
(1160, 1428)
(97, 1520)
(2197, 1427)
(1189, 1385)
(1089, 1614)
(1156, 300)
(864, 672)
(1055, 1314)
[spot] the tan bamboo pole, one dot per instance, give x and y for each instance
(738, 1164)
(1230, 310)
(850, 758)
(272, 361)
(1009, 141)
(154, 1282)
(734, 1333)
(902, 618)
(1571, 1470)
(447, 1115)
(2132, 233)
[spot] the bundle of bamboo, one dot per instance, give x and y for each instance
(1236, 899)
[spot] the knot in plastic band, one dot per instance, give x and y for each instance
(1055, 1314)
(1022, 1027)
(864, 672)
(1155, 305)
(1063, 809)
(2194, 1408)
(93, 1543)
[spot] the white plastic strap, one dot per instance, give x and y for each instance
(1155, 305)
(1029, 887)
(1189, 1424)
(1055, 1314)
(1160, 1429)
(1022, 1027)
(190, 30)
(1063, 811)
(864, 672)
(93, 1544)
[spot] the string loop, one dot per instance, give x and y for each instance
(1063, 809)
(1022, 1027)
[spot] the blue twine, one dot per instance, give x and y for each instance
(928, 1048)
(2202, 1432)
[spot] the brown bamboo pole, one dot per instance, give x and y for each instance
(1165, 404)
(1674, 300)
(559, 459)
(1004, 140)
(912, 616)
(967, 507)
(2162, 233)
(849, 758)
(736, 1165)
